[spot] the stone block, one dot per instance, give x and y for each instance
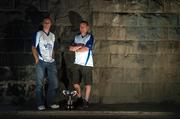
(112, 75)
(156, 6)
(136, 33)
(136, 6)
(109, 33)
(138, 74)
(172, 6)
(160, 92)
(140, 60)
(167, 74)
(158, 20)
(121, 93)
(174, 33)
(108, 6)
(157, 34)
(168, 47)
(100, 33)
(16, 59)
(101, 60)
(114, 19)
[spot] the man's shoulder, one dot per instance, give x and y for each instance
(40, 32)
(78, 34)
(91, 35)
(88, 34)
(51, 33)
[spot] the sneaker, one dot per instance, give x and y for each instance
(40, 108)
(86, 104)
(79, 103)
(54, 106)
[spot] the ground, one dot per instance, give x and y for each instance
(96, 111)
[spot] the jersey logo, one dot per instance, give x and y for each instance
(48, 46)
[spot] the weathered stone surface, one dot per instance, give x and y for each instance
(16, 59)
(158, 20)
(156, 6)
(109, 33)
(121, 92)
(109, 75)
(170, 74)
(114, 19)
(100, 33)
(68, 12)
(136, 51)
(128, 47)
(26, 73)
(142, 19)
(135, 6)
(172, 6)
(144, 60)
(174, 33)
(108, 6)
(136, 33)
(160, 92)
(101, 60)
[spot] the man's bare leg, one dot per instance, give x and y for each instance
(78, 89)
(88, 91)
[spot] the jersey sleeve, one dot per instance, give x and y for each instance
(90, 42)
(35, 39)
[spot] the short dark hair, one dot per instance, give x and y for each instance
(84, 22)
(45, 18)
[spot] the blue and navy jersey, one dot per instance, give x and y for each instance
(44, 43)
(84, 58)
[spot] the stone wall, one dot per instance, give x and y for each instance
(19, 20)
(136, 51)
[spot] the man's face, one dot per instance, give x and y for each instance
(46, 23)
(84, 28)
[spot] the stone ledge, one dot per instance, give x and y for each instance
(85, 113)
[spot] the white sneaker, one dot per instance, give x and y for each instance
(54, 106)
(40, 108)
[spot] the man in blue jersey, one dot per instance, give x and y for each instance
(82, 46)
(42, 49)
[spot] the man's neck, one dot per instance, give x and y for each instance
(83, 34)
(46, 31)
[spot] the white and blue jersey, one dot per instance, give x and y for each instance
(84, 58)
(44, 42)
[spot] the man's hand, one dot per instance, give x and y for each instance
(35, 55)
(36, 61)
(74, 48)
(82, 49)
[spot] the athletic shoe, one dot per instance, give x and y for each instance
(54, 106)
(41, 108)
(79, 103)
(86, 104)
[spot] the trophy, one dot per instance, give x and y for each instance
(69, 94)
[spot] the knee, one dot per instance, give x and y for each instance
(53, 85)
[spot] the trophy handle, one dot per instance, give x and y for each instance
(64, 92)
(75, 93)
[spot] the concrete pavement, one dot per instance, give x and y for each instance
(96, 111)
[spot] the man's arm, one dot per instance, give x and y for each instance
(35, 54)
(88, 45)
(74, 48)
(82, 49)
